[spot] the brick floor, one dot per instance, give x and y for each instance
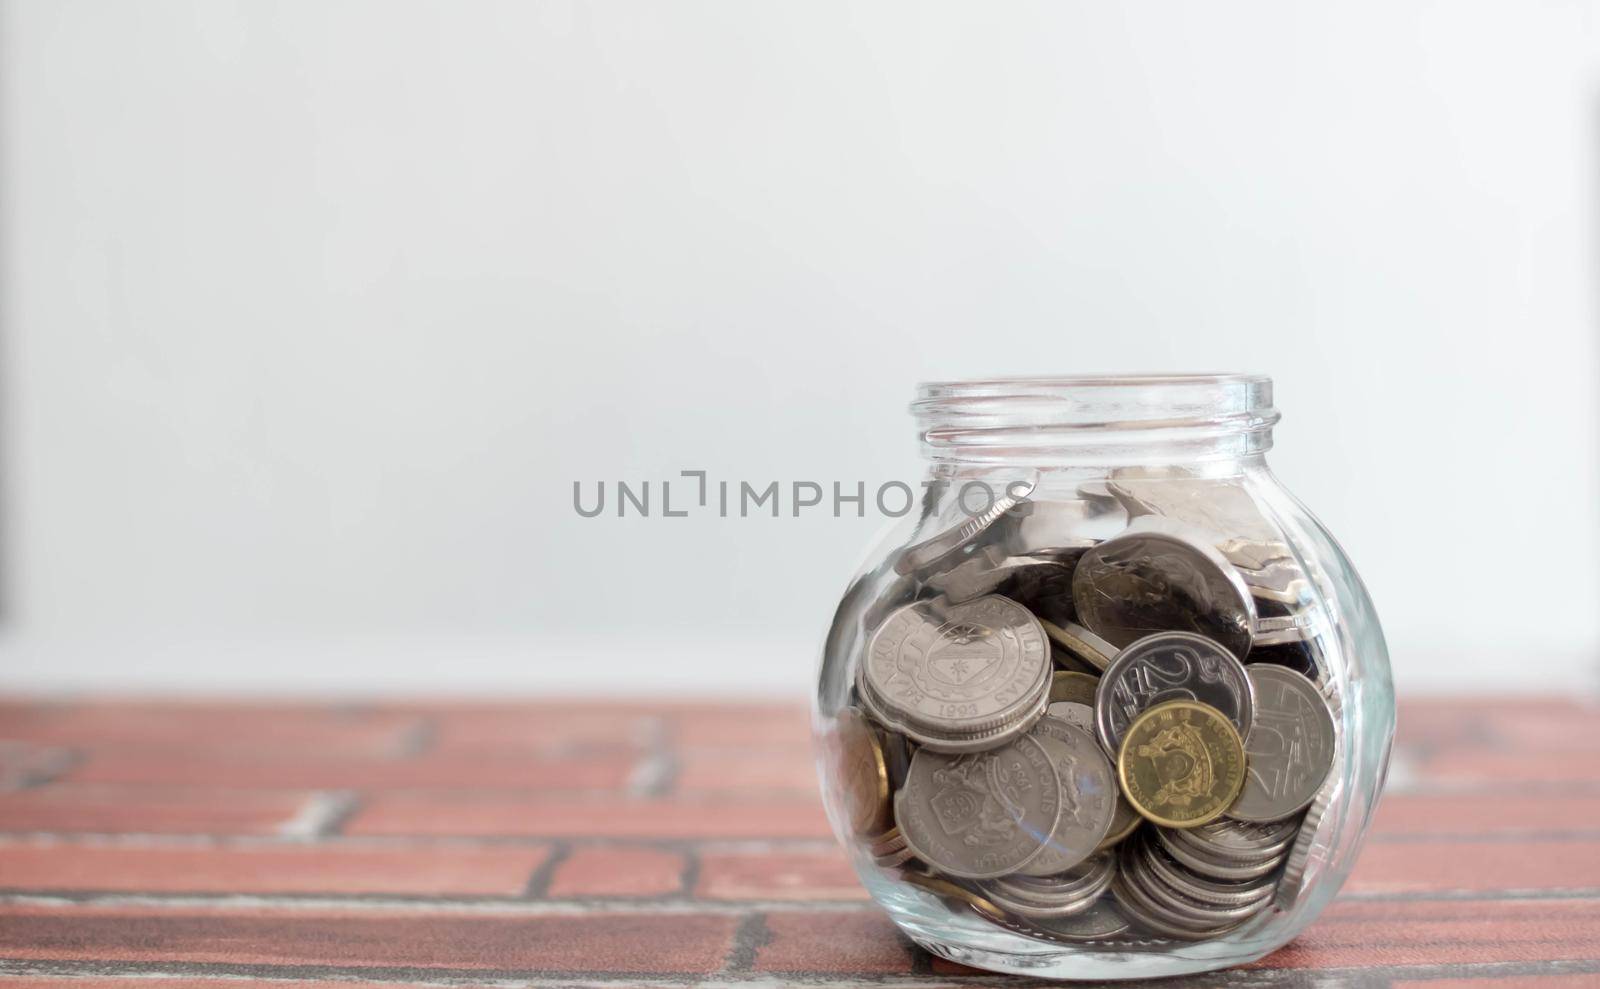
(68, 809)
(619, 872)
(234, 845)
(335, 869)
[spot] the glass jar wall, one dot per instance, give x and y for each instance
(1113, 704)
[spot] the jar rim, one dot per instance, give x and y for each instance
(1087, 381)
(1105, 418)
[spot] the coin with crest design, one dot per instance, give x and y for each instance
(957, 677)
(1181, 764)
(980, 815)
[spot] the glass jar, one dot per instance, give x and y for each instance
(1113, 704)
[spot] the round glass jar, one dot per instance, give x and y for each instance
(1113, 704)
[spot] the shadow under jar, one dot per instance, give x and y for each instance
(1113, 704)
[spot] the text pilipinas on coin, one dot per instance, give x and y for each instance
(947, 674)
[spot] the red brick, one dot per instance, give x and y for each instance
(861, 942)
(1444, 932)
(69, 981)
(778, 876)
(1588, 980)
(132, 810)
(24, 763)
(218, 726)
(791, 768)
(542, 730)
(618, 872)
(1492, 768)
(270, 771)
(615, 943)
(1407, 867)
(739, 726)
(555, 815)
(1508, 723)
(1535, 735)
(432, 870)
(1472, 814)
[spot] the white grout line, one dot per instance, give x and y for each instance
(428, 905)
(286, 837)
(321, 811)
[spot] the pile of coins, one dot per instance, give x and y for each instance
(1093, 718)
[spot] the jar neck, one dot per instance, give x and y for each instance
(1212, 421)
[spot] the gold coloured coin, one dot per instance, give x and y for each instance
(1073, 688)
(944, 889)
(1181, 764)
(864, 774)
(1123, 823)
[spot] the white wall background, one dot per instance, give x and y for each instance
(314, 311)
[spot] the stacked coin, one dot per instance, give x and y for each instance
(1096, 718)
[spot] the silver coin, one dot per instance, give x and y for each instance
(1099, 492)
(980, 815)
(863, 608)
(1170, 872)
(1301, 657)
(1084, 879)
(1290, 748)
(1221, 507)
(959, 674)
(1171, 666)
(978, 574)
(1073, 713)
(1285, 629)
(1158, 577)
(1101, 921)
(1066, 524)
(1088, 797)
(1279, 582)
(1055, 896)
(1145, 913)
(951, 743)
(1042, 582)
(1179, 907)
(1305, 852)
(1243, 839)
(944, 550)
(1083, 644)
(1215, 868)
(900, 592)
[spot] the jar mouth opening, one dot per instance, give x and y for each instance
(1121, 415)
(1085, 382)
